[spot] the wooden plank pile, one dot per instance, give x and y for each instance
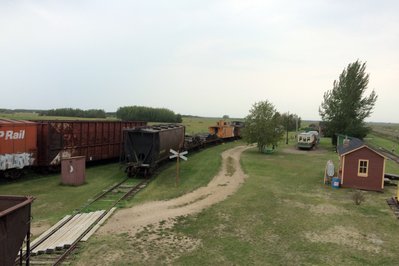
(67, 234)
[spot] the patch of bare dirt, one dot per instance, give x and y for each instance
(38, 228)
(347, 236)
(153, 243)
(326, 209)
(133, 220)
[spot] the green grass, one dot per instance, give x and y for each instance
(197, 171)
(279, 210)
(377, 141)
(282, 215)
(53, 200)
(386, 143)
(386, 130)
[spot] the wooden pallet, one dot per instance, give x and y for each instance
(68, 233)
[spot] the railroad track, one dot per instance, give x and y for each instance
(394, 205)
(72, 229)
(390, 155)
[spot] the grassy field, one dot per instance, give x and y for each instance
(199, 124)
(197, 171)
(386, 130)
(282, 215)
(53, 200)
(379, 141)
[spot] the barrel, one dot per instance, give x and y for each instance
(335, 182)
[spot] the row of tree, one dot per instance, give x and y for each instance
(265, 126)
(148, 114)
(343, 111)
(71, 112)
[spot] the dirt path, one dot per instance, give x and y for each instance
(134, 219)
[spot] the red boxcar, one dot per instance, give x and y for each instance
(96, 140)
(17, 144)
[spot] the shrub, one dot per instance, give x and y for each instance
(358, 197)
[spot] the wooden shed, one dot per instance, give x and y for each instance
(360, 166)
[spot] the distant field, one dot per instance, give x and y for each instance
(198, 124)
(385, 135)
(386, 130)
(36, 116)
(193, 124)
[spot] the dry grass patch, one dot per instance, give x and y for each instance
(347, 236)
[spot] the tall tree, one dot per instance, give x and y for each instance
(344, 108)
(291, 120)
(263, 125)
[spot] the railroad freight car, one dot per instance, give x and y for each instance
(146, 147)
(96, 140)
(227, 130)
(18, 147)
(223, 130)
(238, 127)
(44, 143)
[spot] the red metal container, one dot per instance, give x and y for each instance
(96, 140)
(17, 144)
(73, 171)
(15, 212)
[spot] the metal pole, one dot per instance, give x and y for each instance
(177, 170)
(28, 239)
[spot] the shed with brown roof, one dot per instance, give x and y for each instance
(360, 167)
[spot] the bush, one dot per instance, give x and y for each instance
(358, 197)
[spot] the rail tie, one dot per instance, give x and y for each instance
(90, 222)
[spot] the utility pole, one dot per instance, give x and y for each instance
(288, 116)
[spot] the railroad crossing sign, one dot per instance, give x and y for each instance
(178, 155)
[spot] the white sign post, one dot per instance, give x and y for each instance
(178, 155)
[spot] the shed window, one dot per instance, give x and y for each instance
(363, 167)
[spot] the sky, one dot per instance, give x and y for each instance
(205, 58)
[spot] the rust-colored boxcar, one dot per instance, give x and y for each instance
(96, 140)
(15, 214)
(223, 130)
(17, 144)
